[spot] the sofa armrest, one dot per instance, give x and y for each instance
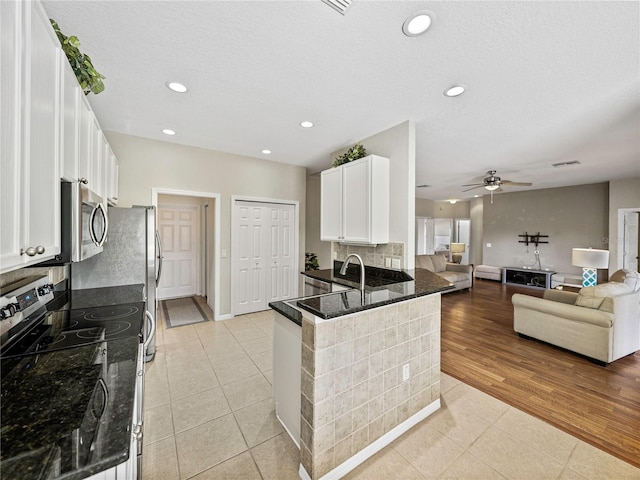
(571, 312)
(560, 296)
(456, 267)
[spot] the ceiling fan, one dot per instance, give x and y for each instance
(492, 182)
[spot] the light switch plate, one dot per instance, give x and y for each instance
(387, 262)
(223, 253)
(395, 263)
(405, 372)
(488, 245)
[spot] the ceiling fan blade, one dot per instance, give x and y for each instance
(516, 184)
(472, 185)
(472, 188)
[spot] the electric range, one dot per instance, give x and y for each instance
(69, 382)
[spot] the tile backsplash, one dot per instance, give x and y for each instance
(372, 256)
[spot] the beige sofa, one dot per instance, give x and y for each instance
(601, 322)
(460, 275)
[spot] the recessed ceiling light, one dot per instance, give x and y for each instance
(306, 124)
(168, 131)
(266, 152)
(176, 87)
(417, 24)
(454, 91)
(452, 202)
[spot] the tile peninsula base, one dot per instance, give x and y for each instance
(373, 448)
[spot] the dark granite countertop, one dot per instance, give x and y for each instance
(49, 399)
(333, 305)
(97, 297)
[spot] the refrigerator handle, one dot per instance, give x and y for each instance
(152, 331)
(159, 257)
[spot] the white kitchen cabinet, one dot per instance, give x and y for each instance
(355, 202)
(85, 124)
(96, 178)
(111, 174)
(69, 122)
(30, 64)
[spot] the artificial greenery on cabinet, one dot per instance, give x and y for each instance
(354, 153)
(88, 77)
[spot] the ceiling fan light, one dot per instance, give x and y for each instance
(491, 188)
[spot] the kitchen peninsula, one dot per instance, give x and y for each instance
(353, 370)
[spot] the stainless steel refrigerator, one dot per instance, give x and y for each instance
(131, 255)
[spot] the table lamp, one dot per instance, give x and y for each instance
(590, 259)
(457, 249)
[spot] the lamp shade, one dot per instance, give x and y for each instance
(590, 257)
(457, 248)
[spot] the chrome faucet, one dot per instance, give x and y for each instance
(343, 270)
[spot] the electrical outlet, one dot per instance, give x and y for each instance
(395, 263)
(223, 253)
(387, 262)
(405, 372)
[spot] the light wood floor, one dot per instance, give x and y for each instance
(599, 405)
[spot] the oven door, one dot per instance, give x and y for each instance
(90, 224)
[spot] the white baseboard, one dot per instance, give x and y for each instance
(373, 448)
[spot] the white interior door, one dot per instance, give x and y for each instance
(250, 250)
(463, 235)
(178, 229)
(281, 259)
(631, 232)
(264, 255)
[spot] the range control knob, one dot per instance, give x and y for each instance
(9, 310)
(44, 289)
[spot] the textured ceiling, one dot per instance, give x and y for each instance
(546, 82)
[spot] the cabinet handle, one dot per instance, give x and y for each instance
(83, 180)
(32, 251)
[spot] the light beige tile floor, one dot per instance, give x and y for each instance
(209, 415)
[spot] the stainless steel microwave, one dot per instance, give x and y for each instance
(84, 224)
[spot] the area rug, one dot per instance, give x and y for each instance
(182, 311)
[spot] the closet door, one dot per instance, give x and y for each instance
(264, 255)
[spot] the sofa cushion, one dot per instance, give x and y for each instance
(439, 263)
(454, 277)
(611, 289)
(424, 261)
(589, 302)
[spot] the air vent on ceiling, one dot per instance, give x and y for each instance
(565, 164)
(339, 5)
(422, 186)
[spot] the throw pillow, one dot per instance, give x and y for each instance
(439, 263)
(589, 302)
(628, 277)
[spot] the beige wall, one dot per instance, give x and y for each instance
(448, 210)
(321, 249)
(571, 216)
(476, 207)
(425, 207)
(398, 145)
(623, 194)
(146, 164)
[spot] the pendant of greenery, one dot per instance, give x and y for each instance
(354, 153)
(88, 77)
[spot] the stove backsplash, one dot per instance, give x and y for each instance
(372, 256)
(55, 274)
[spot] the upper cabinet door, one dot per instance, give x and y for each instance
(69, 124)
(356, 182)
(331, 205)
(10, 148)
(41, 155)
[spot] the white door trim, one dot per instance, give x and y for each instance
(620, 240)
(216, 239)
(234, 220)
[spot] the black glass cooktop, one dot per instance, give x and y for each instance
(62, 329)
